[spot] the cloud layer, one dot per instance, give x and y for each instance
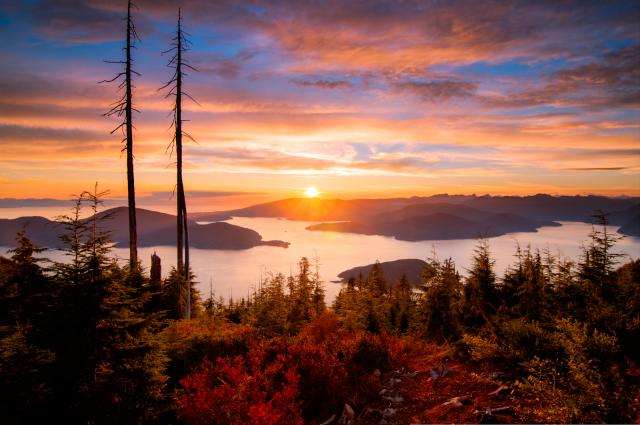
(356, 97)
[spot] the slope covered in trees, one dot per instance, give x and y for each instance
(552, 340)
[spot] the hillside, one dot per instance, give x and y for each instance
(154, 229)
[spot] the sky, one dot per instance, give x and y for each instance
(355, 98)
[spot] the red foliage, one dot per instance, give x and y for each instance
(282, 381)
(230, 392)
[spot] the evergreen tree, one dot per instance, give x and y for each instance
(26, 294)
(524, 288)
(317, 295)
(598, 258)
(109, 362)
(437, 310)
(402, 305)
(480, 295)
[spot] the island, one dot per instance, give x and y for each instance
(154, 229)
(393, 270)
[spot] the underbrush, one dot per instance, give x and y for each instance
(571, 373)
(284, 380)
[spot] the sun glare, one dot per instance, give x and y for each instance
(311, 192)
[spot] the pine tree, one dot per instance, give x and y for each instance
(26, 294)
(402, 305)
(480, 295)
(437, 309)
(318, 291)
(376, 281)
(598, 258)
(109, 363)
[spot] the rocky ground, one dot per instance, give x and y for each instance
(434, 389)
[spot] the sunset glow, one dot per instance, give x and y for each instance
(368, 99)
(311, 192)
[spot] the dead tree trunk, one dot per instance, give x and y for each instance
(179, 46)
(131, 192)
(123, 108)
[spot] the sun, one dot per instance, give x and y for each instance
(311, 192)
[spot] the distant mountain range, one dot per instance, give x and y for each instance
(435, 217)
(444, 216)
(154, 228)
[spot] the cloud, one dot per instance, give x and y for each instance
(223, 66)
(359, 87)
(434, 91)
(10, 134)
(323, 84)
(32, 202)
(599, 168)
(609, 81)
(194, 194)
(74, 21)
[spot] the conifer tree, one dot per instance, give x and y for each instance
(437, 313)
(480, 296)
(109, 363)
(598, 258)
(318, 291)
(401, 310)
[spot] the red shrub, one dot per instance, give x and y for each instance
(228, 392)
(281, 381)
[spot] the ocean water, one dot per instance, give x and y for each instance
(234, 273)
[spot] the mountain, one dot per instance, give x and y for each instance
(154, 228)
(41, 231)
(393, 271)
(628, 220)
(438, 226)
(547, 207)
(312, 209)
(443, 216)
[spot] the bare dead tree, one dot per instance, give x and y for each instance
(179, 45)
(123, 108)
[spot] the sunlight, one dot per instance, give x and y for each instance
(311, 192)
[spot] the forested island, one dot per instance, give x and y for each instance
(154, 229)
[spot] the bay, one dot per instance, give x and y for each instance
(235, 273)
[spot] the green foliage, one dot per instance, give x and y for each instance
(77, 333)
(585, 383)
(438, 305)
(479, 296)
(281, 306)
